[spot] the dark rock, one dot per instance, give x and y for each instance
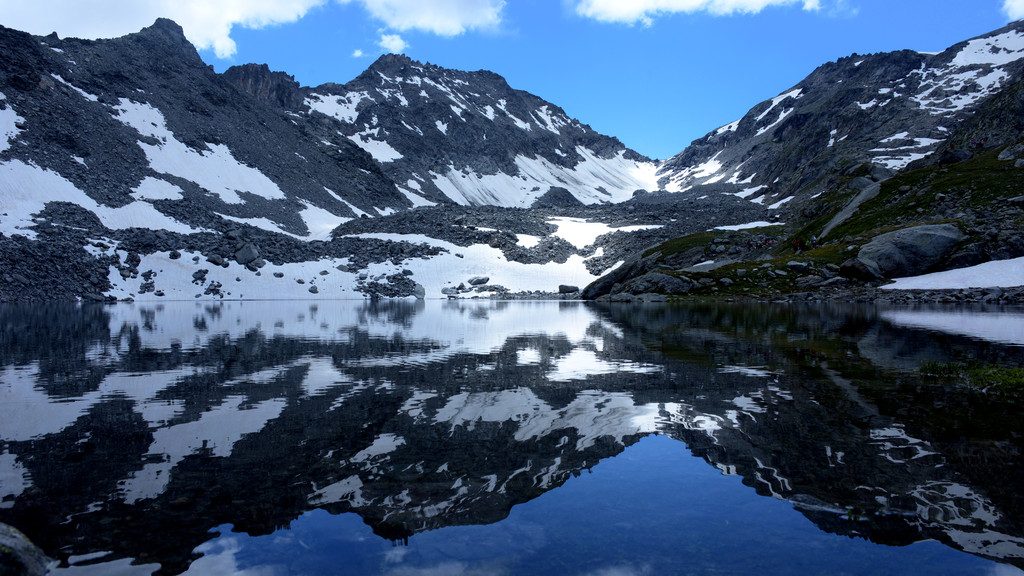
(809, 281)
(567, 289)
(656, 282)
(557, 197)
(18, 555)
(248, 253)
(479, 280)
(910, 251)
(174, 255)
(857, 269)
(314, 290)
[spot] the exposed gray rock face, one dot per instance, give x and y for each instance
(910, 251)
(656, 283)
(276, 88)
(19, 556)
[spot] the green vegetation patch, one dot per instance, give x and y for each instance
(999, 380)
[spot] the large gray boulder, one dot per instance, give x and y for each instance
(657, 283)
(910, 251)
(18, 555)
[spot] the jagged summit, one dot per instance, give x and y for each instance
(447, 135)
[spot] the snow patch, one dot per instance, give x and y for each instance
(582, 233)
(731, 127)
(82, 93)
(156, 189)
(794, 94)
(20, 199)
(747, 226)
(9, 121)
(995, 50)
(593, 180)
(379, 149)
(1002, 273)
(341, 107)
(216, 169)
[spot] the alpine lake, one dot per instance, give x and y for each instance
(481, 437)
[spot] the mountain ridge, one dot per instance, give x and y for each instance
(148, 158)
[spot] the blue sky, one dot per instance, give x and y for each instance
(655, 73)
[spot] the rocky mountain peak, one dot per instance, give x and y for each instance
(391, 64)
(275, 88)
(446, 135)
(168, 34)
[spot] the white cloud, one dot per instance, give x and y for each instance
(357, 53)
(392, 43)
(1014, 9)
(644, 11)
(207, 23)
(443, 17)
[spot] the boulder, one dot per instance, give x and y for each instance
(246, 254)
(606, 284)
(910, 251)
(479, 280)
(18, 555)
(656, 283)
(857, 269)
(567, 289)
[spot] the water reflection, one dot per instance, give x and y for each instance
(120, 423)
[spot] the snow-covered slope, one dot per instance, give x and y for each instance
(886, 109)
(469, 138)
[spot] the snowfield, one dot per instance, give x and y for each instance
(998, 273)
(594, 180)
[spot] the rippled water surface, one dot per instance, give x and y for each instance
(513, 438)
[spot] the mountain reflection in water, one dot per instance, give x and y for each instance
(139, 437)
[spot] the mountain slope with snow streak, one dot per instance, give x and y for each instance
(468, 137)
(886, 110)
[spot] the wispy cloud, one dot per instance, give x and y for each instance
(392, 43)
(207, 23)
(442, 17)
(357, 53)
(1014, 9)
(645, 11)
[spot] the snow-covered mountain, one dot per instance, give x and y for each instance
(130, 169)
(886, 109)
(469, 138)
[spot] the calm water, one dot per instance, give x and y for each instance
(509, 438)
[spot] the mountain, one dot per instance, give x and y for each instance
(468, 137)
(130, 169)
(880, 166)
(886, 109)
